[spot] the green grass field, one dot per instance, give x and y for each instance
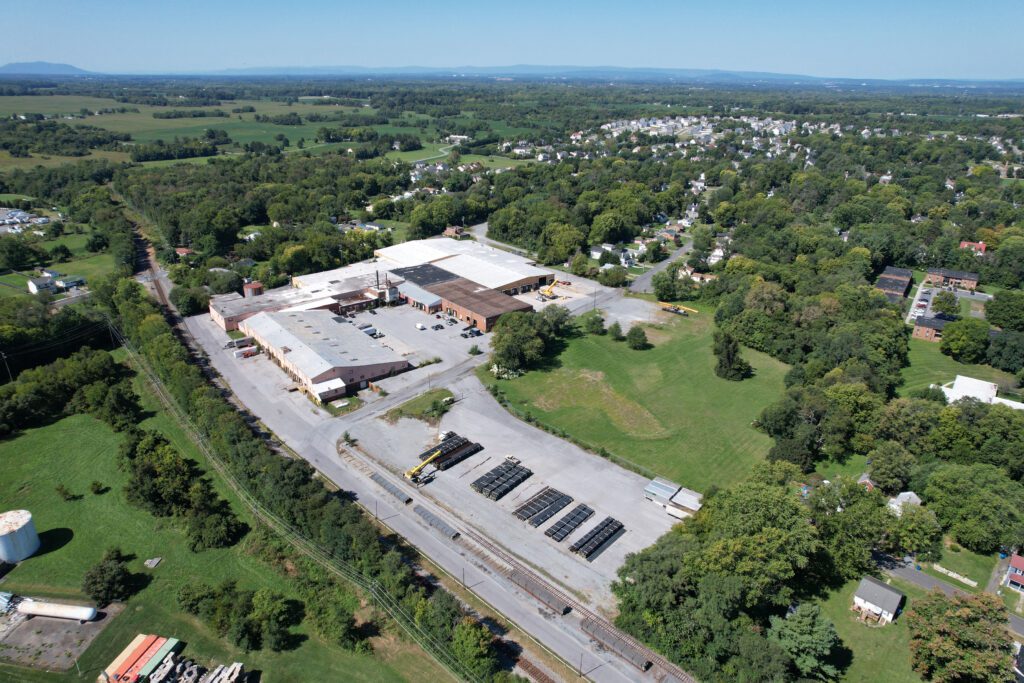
(78, 450)
(966, 563)
(928, 365)
(417, 408)
(7, 199)
(878, 654)
(663, 409)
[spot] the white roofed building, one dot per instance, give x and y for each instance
(980, 390)
(324, 354)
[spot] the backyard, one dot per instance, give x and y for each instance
(875, 653)
(79, 450)
(928, 365)
(662, 409)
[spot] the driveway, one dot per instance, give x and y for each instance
(479, 232)
(924, 295)
(643, 282)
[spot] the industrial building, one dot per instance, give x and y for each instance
(678, 502)
(343, 290)
(18, 537)
(492, 268)
(432, 289)
(326, 355)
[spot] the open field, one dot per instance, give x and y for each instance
(6, 199)
(966, 563)
(875, 653)
(928, 365)
(663, 409)
(79, 450)
(7, 162)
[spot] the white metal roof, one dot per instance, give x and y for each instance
(491, 273)
(687, 498)
(662, 488)
(350, 278)
(969, 387)
(316, 343)
(484, 265)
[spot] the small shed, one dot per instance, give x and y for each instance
(876, 601)
(661, 491)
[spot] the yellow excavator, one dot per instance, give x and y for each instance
(413, 474)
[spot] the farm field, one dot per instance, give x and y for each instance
(928, 365)
(242, 128)
(872, 650)
(78, 450)
(662, 409)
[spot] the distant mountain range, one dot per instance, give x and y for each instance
(41, 69)
(526, 71)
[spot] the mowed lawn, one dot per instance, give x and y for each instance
(874, 653)
(928, 365)
(78, 450)
(663, 408)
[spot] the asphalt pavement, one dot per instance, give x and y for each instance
(642, 283)
(929, 582)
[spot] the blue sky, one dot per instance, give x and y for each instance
(871, 39)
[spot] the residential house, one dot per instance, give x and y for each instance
(943, 277)
(876, 601)
(41, 284)
(901, 501)
(865, 481)
(977, 247)
(49, 272)
(894, 282)
(69, 281)
(929, 329)
(1015, 573)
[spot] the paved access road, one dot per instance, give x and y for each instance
(642, 283)
(929, 582)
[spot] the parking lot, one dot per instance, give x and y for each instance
(608, 489)
(924, 295)
(399, 326)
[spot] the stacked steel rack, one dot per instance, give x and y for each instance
(561, 529)
(454, 449)
(502, 479)
(542, 507)
(596, 537)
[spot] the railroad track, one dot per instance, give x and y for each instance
(665, 665)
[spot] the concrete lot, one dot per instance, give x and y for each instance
(400, 333)
(607, 488)
(604, 486)
(50, 644)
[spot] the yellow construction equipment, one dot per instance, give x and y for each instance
(676, 307)
(549, 291)
(414, 473)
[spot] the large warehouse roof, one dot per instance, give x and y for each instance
(484, 265)
(483, 301)
(315, 342)
(489, 272)
(234, 304)
(350, 278)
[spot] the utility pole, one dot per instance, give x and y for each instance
(10, 377)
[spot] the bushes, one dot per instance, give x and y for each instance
(249, 619)
(109, 580)
(168, 485)
(87, 381)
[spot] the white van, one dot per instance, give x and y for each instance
(420, 326)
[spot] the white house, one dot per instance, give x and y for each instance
(876, 601)
(969, 387)
(902, 500)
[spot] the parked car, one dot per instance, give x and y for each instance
(464, 335)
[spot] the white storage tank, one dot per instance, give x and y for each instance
(18, 537)
(57, 610)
